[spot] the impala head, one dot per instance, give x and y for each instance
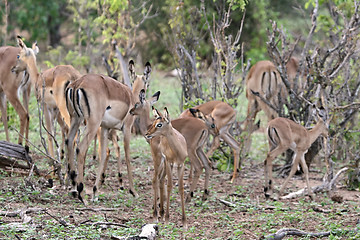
(143, 106)
(137, 79)
(160, 125)
(208, 119)
(26, 56)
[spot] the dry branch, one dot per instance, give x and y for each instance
(11, 154)
(280, 234)
(227, 203)
(325, 186)
(17, 212)
(105, 223)
(97, 209)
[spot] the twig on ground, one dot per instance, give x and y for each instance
(97, 209)
(104, 223)
(226, 203)
(60, 220)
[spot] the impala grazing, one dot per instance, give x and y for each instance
(224, 116)
(168, 147)
(285, 134)
(14, 79)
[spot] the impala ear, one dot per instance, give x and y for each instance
(156, 113)
(193, 111)
(20, 42)
(166, 114)
(35, 48)
(142, 96)
(154, 98)
(132, 69)
(147, 70)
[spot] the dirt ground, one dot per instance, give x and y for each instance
(246, 214)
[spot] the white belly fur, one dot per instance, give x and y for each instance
(114, 117)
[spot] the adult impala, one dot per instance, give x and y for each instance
(224, 116)
(103, 102)
(168, 147)
(264, 79)
(12, 80)
(140, 82)
(285, 134)
(52, 93)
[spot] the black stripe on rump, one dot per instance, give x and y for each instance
(86, 100)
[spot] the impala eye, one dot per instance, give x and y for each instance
(159, 125)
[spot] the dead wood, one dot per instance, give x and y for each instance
(59, 220)
(280, 234)
(104, 223)
(226, 203)
(325, 186)
(15, 156)
(20, 211)
(97, 209)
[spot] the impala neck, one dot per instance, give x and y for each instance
(316, 131)
(33, 72)
(172, 138)
(145, 121)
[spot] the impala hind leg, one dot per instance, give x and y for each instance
(226, 136)
(297, 157)
(269, 181)
(81, 151)
(69, 142)
(197, 168)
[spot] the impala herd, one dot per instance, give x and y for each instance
(103, 105)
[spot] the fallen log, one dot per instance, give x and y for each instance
(15, 156)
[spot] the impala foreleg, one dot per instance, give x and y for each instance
(49, 129)
(205, 162)
(64, 133)
(3, 109)
(114, 139)
(214, 145)
(181, 168)
(169, 189)
(127, 135)
(306, 173)
(104, 136)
